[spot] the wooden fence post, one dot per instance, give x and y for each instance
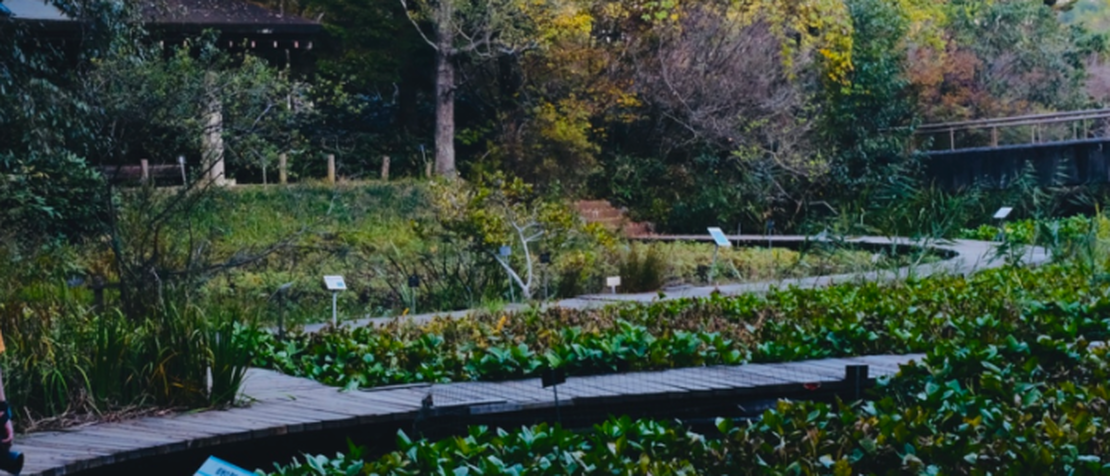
(144, 165)
(331, 169)
(385, 168)
(282, 177)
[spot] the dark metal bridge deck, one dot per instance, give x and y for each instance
(1063, 148)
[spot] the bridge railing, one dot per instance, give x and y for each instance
(1027, 129)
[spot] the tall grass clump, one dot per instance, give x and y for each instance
(69, 359)
(642, 268)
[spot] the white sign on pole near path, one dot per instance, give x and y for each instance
(719, 237)
(613, 281)
(1002, 213)
(335, 283)
(217, 467)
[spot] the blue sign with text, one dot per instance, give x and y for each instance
(218, 467)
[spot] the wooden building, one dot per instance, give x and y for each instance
(283, 39)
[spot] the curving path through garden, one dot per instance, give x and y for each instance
(283, 406)
(963, 257)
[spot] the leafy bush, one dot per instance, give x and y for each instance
(49, 195)
(1053, 232)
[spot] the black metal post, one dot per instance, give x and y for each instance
(856, 378)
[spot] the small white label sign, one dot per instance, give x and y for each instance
(218, 467)
(1003, 213)
(613, 281)
(335, 283)
(719, 237)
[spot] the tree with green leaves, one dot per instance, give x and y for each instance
(463, 29)
(865, 117)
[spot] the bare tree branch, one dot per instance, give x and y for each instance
(416, 25)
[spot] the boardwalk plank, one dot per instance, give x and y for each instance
(175, 427)
(352, 406)
(763, 373)
(528, 390)
(743, 377)
(574, 388)
(487, 391)
(712, 378)
(224, 435)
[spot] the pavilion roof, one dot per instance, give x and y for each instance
(185, 16)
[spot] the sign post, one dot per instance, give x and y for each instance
(282, 294)
(505, 251)
(545, 260)
(613, 282)
(181, 163)
(335, 284)
(552, 378)
(414, 282)
(770, 230)
(719, 239)
(1001, 215)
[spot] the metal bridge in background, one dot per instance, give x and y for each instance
(1063, 148)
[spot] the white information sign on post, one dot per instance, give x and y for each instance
(720, 240)
(719, 237)
(1002, 213)
(335, 284)
(217, 467)
(613, 282)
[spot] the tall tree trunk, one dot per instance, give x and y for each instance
(445, 112)
(445, 88)
(212, 144)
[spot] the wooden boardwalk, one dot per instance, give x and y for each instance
(284, 405)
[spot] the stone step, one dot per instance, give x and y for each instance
(605, 214)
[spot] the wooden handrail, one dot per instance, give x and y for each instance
(1030, 119)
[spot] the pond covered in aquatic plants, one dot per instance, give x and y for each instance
(1010, 385)
(783, 325)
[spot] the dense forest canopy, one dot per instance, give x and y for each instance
(695, 111)
(686, 111)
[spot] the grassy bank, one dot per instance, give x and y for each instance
(80, 349)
